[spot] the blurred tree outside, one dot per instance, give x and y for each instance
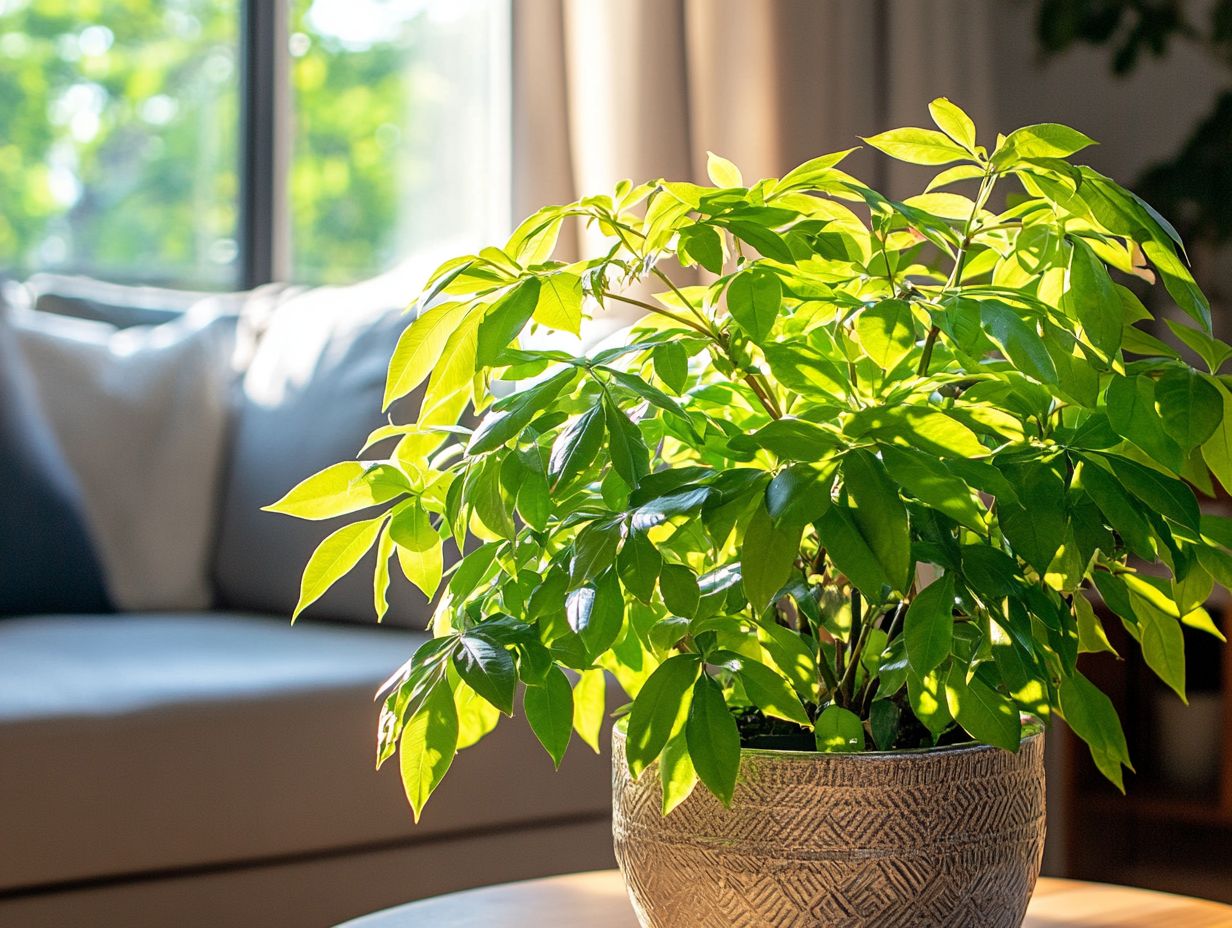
(120, 153)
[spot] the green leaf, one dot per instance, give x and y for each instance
(928, 627)
(335, 557)
(754, 298)
(453, 371)
(1211, 350)
(506, 318)
(767, 243)
(771, 693)
(509, 419)
(422, 568)
(839, 731)
(1217, 450)
(879, 515)
(767, 557)
(549, 711)
(560, 302)
(1178, 281)
(984, 714)
(703, 245)
(953, 122)
(1166, 495)
(678, 586)
(1094, 719)
(427, 747)
(886, 331)
(380, 578)
(926, 696)
(1035, 528)
(656, 708)
(929, 481)
(918, 146)
(800, 493)
(1092, 299)
(335, 491)
(1163, 642)
(638, 564)
(1046, 140)
(419, 349)
(590, 706)
(671, 365)
(713, 739)
(1122, 512)
(1092, 639)
(412, 528)
(793, 657)
(722, 172)
(534, 503)
(1190, 406)
(576, 446)
(606, 615)
(629, 455)
(1131, 413)
(1021, 343)
(476, 716)
(850, 552)
(676, 772)
(791, 439)
(488, 669)
(920, 427)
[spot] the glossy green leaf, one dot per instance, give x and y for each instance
(549, 711)
(488, 669)
(1092, 299)
(879, 515)
(713, 739)
(928, 627)
(629, 455)
(505, 319)
(951, 120)
(427, 747)
(770, 692)
(985, 714)
(766, 558)
(676, 772)
(1093, 718)
(754, 298)
(918, 146)
(679, 589)
(577, 446)
(590, 706)
(334, 557)
(1190, 406)
(560, 302)
(671, 365)
(928, 480)
(1132, 415)
(839, 731)
(335, 491)
(887, 332)
(655, 709)
(419, 349)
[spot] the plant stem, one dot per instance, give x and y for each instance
(658, 310)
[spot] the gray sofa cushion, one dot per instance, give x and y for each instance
(151, 743)
(310, 397)
(47, 555)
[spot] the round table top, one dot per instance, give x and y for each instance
(597, 900)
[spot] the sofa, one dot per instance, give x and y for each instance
(173, 752)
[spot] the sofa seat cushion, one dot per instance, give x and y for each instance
(154, 743)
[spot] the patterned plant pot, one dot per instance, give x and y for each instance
(946, 838)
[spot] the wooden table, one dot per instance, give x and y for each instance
(597, 900)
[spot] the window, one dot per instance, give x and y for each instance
(218, 143)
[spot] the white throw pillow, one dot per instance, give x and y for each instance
(141, 414)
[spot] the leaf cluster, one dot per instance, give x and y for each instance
(880, 476)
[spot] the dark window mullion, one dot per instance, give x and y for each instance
(265, 125)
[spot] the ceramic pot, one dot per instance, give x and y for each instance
(944, 838)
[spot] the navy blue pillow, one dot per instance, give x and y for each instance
(47, 562)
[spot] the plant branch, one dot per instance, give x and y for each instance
(658, 310)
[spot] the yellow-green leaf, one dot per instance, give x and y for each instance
(560, 302)
(590, 706)
(334, 557)
(420, 348)
(722, 172)
(951, 120)
(335, 491)
(429, 742)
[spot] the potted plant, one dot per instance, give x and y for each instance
(836, 515)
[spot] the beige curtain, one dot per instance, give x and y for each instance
(608, 89)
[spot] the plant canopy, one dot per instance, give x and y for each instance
(870, 475)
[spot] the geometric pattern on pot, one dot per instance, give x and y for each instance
(950, 838)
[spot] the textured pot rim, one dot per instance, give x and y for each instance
(1033, 729)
